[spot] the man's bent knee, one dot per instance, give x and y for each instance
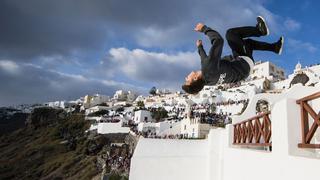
(230, 33)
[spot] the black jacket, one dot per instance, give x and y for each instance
(230, 70)
(217, 70)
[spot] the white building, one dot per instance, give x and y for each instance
(96, 109)
(162, 91)
(131, 96)
(120, 95)
(160, 128)
(111, 128)
(57, 104)
(139, 98)
(61, 104)
(96, 99)
(142, 116)
(313, 73)
(217, 158)
(267, 69)
(192, 128)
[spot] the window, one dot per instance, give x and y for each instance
(185, 127)
(145, 118)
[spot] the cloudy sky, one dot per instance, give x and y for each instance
(64, 49)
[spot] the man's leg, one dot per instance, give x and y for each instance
(235, 38)
(264, 46)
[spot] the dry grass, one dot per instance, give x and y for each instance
(37, 153)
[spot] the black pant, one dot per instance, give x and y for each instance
(236, 69)
(237, 42)
(244, 47)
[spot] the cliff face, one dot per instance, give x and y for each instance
(53, 146)
(43, 117)
(10, 123)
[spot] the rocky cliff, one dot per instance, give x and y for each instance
(55, 145)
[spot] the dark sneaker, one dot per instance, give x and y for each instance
(279, 45)
(262, 26)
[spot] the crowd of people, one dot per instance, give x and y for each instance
(231, 102)
(109, 120)
(179, 111)
(208, 106)
(149, 134)
(230, 85)
(119, 158)
(215, 119)
(205, 113)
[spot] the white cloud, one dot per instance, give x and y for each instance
(295, 45)
(292, 25)
(166, 70)
(9, 66)
(217, 14)
(36, 84)
(162, 25)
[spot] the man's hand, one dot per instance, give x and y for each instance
(199, 43)
(198, 27)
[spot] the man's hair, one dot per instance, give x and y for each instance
(194, 87)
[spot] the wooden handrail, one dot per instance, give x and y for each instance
(309, 98)
(253, 132)
(307, 133)
(254, 117)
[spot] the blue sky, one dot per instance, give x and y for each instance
(306, 30)
(55, 50)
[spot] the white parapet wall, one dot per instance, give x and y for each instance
(216, 158)
(286, 161)
(110, 128)
(296, 92)
(163, 159)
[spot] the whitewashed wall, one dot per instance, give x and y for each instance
(110, 128)
(217, 159)
(165, 159)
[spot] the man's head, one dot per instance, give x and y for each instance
(194, 82)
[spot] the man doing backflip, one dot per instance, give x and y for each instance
(233, 68)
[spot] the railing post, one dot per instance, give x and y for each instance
(307, 132)
(304, 125)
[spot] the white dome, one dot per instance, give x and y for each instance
(298, 66)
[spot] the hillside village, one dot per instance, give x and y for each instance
(185, 116)
(176, 115)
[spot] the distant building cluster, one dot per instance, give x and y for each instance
(176, 114)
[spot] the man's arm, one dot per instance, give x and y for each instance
(201, 51)
(215, 39)
(212, 34)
